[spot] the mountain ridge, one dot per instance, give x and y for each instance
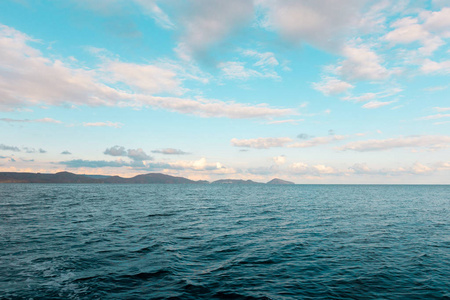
(149, 178)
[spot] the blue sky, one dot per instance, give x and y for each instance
(327, 91)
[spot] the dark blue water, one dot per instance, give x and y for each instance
(224, 242)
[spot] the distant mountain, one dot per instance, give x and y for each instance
(279, 181)
(234, 181)
(157, 178)
(67, 177)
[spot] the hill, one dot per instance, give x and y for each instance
(279, 181)
(234, 181)
(67, 177)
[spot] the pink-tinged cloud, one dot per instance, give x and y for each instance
(432, 142)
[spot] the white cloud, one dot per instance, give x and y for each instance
(290, 121)
(160, 17)
(408, 30)
(279, 160)
(238, 70)
(145, 78)
(320, 23)
(148, 7)
(264, 59)
(330, 86)
(22, 84)
(261, 143)
(43, 120)
(207, 22)
(438, 21)
(436, 116)
(376, 104)
(103, 124)
(266, 143)
(361, 63)
(170, 151)
(441, 109)
(317, 141)
(21, 80)
(430, 66)
(432, 142)
(301, 168)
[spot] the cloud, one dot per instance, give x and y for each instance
(207, 22)
(196, 165)
(261, 143)
(376, 104)
(323, 24)
(22, 84)
(103, 124)
(264, 60)
(134, 154)
(152, 9)
(428, 66)
(438, 21)
(148, 7)
(65, 152)
(441, 109)
(370, 96)
(290, 121)
(9, 148)
(361, 63)
(33, 150)
(143, 78)
(170, 151)
(80, 163)
(330, 86)
(304, 136)
(301, 168)
(238, 70)
(433, 142)
(317, 141)
(200, 165)
(266, 143)
(415, 169)
(408, 30)
(436, 88)
(138, 155)
(279, 160)
(44, 120)
(116, 151)
(436, 116)
(215, 108)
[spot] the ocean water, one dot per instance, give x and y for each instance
(76, 241)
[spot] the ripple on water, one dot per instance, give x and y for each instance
(224, 242)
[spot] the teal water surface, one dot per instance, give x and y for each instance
(76, 241)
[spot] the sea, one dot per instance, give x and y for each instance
(200, 241)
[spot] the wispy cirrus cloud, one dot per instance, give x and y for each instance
(432, 142)
(43, 120)
(266, 143)
(170, 151)
(376, 104)
(317, 141)
(331, 86)
(261, 143)
(103, 124)
(23, 85)
(434, 117)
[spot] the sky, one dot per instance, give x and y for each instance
(316, 92)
